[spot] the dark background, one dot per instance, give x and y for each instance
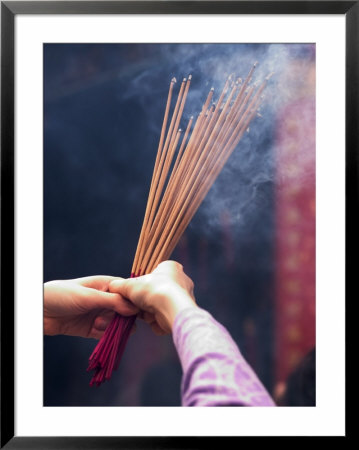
(103, 110)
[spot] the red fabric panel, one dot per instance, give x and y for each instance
(295, 235)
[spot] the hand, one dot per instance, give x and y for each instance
(160, 295)
(82, 307)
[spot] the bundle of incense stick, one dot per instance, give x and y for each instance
(185, 169)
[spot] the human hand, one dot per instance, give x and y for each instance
(82, 307)
(160, 295)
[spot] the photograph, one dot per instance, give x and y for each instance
(179, 224)
(178, 187)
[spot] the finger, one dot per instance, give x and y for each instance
(158, 330)
(169, 267)
(148, 317)
(99, 282)
(132, 288)
(103, 321)
(108, 300)
(96, 334)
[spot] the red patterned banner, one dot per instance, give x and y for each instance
(295, 225)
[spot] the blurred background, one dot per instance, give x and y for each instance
(250, 249)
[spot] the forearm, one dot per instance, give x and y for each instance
(214, 371)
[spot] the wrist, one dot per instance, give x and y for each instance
(175, 304)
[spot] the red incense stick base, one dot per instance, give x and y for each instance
(108, 352)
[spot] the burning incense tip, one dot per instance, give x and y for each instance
(269, 76)
(184, 80)
(190, 77)
(173, 80)
(255, 64)
(212, 88)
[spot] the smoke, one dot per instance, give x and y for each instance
(252, 169)
(139, 76)
(103, 111)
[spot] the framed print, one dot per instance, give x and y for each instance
(253, 107)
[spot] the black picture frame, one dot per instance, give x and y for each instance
(9, 10)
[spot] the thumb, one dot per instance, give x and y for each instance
(133, 289)
(108, 300)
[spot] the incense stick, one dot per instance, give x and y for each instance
(176, 194)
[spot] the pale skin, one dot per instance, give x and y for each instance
(82, 307)
(160, 295)
(85, 306)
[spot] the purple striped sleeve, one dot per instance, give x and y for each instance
(214, 371)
